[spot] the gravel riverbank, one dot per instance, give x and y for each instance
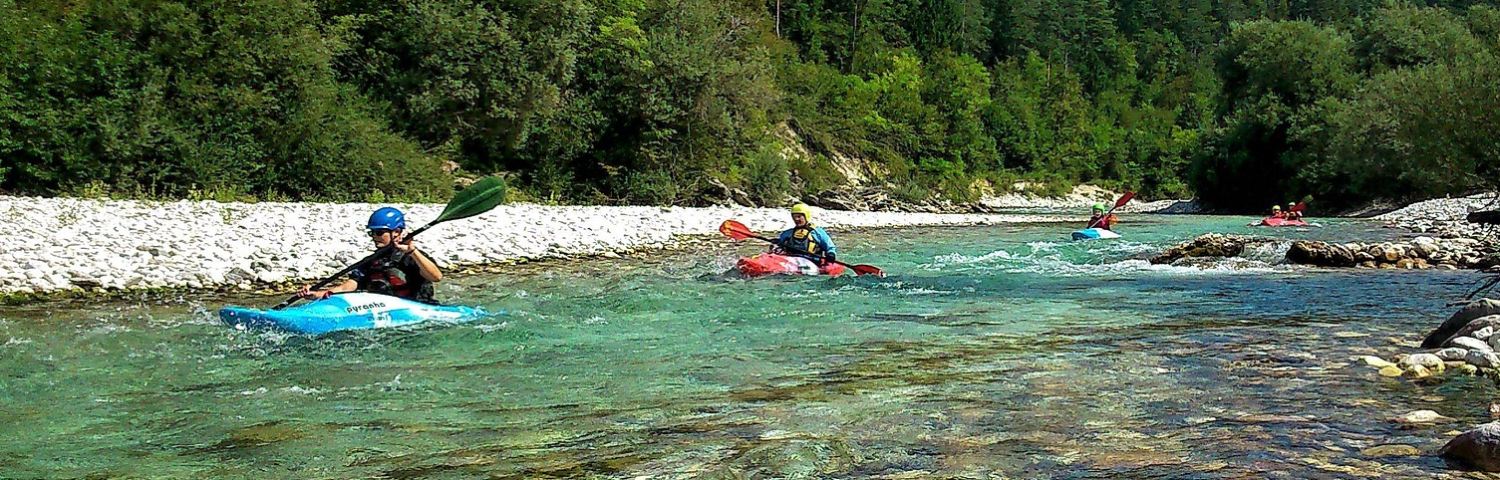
(62, 244)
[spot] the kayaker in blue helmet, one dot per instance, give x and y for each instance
(406, 272)
(806, 240)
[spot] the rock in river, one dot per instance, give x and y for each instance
(1477, 449)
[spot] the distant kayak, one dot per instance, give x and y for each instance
(1094, 234)
(1281, 222)
(773, 264)
(348, 311)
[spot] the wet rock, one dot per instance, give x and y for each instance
(1482, 359)
(1452, 354)
(1208, 245)
(1477, 449)
(1474, 310)
(1391, 451)
(1466, 369)
(1421, 417)
(1470, 343)
(1418, 371)
(1322, 254)
(1376, 362)
(1425, 360)
(1390, 371)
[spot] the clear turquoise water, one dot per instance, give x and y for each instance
(997, 352)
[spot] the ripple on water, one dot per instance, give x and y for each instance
(981, 356)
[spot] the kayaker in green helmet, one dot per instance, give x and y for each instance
(806, 240)
(1099, 219)
(406, 272)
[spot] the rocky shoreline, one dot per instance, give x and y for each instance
(61, 245)
(1419, 253)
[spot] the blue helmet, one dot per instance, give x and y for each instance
(387, 218)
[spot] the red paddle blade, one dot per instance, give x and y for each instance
(869, 270)
(1124, 199)
(1300, 206)
(735, 230)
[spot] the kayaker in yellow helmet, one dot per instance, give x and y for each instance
(406, 272)
(804, 239)
(1101, 220)
(1276, 212)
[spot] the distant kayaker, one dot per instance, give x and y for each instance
(1276, 212)
(1101, 220)
(1292, 213)
(804, 239)
(406, 272)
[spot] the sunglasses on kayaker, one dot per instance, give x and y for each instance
(380, 231)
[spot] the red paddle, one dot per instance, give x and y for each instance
(1300, 206)
(1124, 199)
(738, 231)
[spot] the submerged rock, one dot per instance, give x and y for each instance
(1420, 417)
(1477, 449)
(1391, 451)
(1461, 319)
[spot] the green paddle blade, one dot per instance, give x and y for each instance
(480, 197)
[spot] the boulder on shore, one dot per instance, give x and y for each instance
(1474, 310)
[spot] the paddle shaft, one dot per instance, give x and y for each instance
(383, 251)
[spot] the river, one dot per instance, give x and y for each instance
(995, 352)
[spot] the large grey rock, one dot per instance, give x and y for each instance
(1477, 449)
(1474, 310)
(1470, 343)
(1207, 245)
(1427, 360)
(1482, 359)
(1452, 354)
(1320, 254)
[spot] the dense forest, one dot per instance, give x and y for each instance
(1242, 103)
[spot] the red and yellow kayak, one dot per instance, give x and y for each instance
(773, 264)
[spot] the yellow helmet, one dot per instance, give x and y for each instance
(1275, 207)
(802, 209)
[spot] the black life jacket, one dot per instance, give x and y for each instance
(387, 276)
(802, 239)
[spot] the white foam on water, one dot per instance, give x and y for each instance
(1052, 258)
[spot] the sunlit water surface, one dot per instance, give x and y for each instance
(996, 352)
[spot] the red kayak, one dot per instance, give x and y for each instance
(1281, 222)
(773, 264)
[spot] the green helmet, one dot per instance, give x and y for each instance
(1098, 207)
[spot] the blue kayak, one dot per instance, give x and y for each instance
(349, 311)
(1094, 234)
